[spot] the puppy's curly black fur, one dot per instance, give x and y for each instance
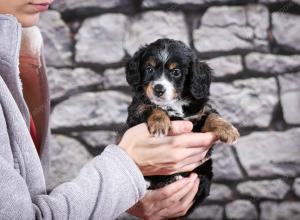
(170, 83)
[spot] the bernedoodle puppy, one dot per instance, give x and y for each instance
(170, 83)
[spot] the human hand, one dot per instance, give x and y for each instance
(181, 152)
(171, 201)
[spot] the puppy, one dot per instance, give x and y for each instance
(170, 83)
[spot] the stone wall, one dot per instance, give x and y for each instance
(254, 49)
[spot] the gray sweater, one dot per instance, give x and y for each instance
(104, 188)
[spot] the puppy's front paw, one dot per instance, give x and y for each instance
(159, 127)
(227, 133)
(222, 128)
(159, 124)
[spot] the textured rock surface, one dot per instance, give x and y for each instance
(272, 1)
(67, 5)
(179, 3)
(290, 97)
(270, 189)
(258, 153)
(220, 192)
(114, 78)
(296, 187)
(100, 39)
(284, 25)
(89, 109)
(225, 166)
(268, 210)
(57, 39)
(282, 211)
(253, 46)
(67, 157)
(247, 102)
(272, 64)
(64, 82)
(226, 29)
(241, 209)
(258, 20)
(208, 212)
(224, 15)
(226, 66)
(98, 139)
(216, 39)
(151, 26)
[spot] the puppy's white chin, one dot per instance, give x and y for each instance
(161, 100)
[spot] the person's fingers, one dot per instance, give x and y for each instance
(181, 207)
(194, 140)
(181, 161)
(194, 158)
(187, 201)
(179, 127)
(191, 195)
(170, 189)
(182, 213)
(190, 167)
(184, 190)
(186, 140)
(141, 128)
(179, 194)
(185, 159)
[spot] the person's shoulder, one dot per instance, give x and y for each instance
(10, 36)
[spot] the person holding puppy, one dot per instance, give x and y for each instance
(109, 184)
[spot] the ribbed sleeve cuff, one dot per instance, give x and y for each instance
(129, 165)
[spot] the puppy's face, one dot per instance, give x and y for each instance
(166, 71)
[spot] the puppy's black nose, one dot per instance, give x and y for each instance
(159, 90)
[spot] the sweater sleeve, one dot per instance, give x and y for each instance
(105, 187)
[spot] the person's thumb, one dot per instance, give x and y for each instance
(180, 127)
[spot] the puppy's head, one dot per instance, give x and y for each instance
(167, 70)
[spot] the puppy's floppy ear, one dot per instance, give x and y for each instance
(200, 79)
(133, 75)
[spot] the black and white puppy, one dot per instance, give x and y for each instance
(170, 83)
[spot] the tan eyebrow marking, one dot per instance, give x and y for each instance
(173, 66)
(151, 61)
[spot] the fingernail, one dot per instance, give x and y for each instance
(193, 176)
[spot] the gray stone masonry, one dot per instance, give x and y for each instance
(253, 48)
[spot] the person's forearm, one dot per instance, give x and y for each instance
(105, 188)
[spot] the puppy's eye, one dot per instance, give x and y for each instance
(176, 73)
(149, 70)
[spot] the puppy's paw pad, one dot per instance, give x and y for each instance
(229, 134)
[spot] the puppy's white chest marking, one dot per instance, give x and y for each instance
(175, 108)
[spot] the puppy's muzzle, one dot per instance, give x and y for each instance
(159, 90)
